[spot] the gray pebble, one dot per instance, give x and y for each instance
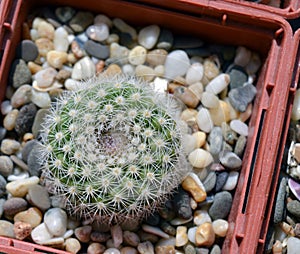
(181, 203)
(147, 237)
(96, 49)
(215, 249)
(240, 97)
(2, 186)
(168, 228)
(238, 76)
(19, 73)
(230, 160)
(294, 208)
(81, 21)
(13, 206)
(25, 119)
(221, 205)
(202, 251)
(126, 40)
(27, 149)
(153, 219)
(165, 39)
(2, 133)
(186, 42)
(21, 164)
(99, 237)
(2, 201)
(167, 211)
(34, 161)
(240, 146)
(229, 135)
(280, 202)
(189, 249)
(6, 165)
(38, 120)
(38, 196)
(221, 180)
(65, 13)
(131, 238)
(27, 50)
(210, 181)
(215, 140)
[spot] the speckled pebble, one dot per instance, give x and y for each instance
(33, 216)
(230, 160)
(33, 162)
(38, 196)
(19, 73)
(294, 208)
(22, 230)
(2, 186)
(131, 238)
(21, 96)
(13, 206)
(96, 248)
(72, 245)
(99, 237)
(9, 146)
(181, 203)
(83, 233)
(221, 205)
(137, 55)
(210, 181)
(168, 228)
(25, 119)
(221, 180)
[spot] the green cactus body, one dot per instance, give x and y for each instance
(112, 149)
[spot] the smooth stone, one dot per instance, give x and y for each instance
(6, 107)
(13, 206)
(33, 34)
(27, 50)
(6, 229)
(200, 217)
(243, 56)
(294, 208)
(2, 201)
(39, 197)
(192, 234)
(95, 248)
(218, 84)
(167, 211)
(81, 21)
(44, 45)
(25, 119)
(33, 162)
(56, 59)
(45, 30)
(220, 114)
(165, 249)
(83, 69)
(83, 233)
(40, 234)
(96, 49)
(215, 139)
(146, 248)
(19, 73)
(293, 245)
(144, 236)
(61, 42)
(118, 54)
(111, 251)
(6, 166)
(194, 186)
(128, 69)
(154, 230)
(200, 158)
(295, 188)
(137, 55)
(156, 57)
(244, 116)
(209, 100)
(168, 228)
(101, 18)
(19, 188)
(240, 97)
(205, 235)
(56, 221)
(98, 32)
(200, 138)
(211, 69)
(99, 237)
(221, 205)
(125, 28)
(33, 216)
(182, 207)
(238, 76)
(10, 119)
(64, 13)
(21, 96)
(45, 77)
(231, 181)
(174, 59)
(220, 227)
(148, 36)
(180, 221)
(230, 160)
(181, 236)
(204, 120)
(27, 149)
(240, 146)
(145, 72)
(22, 230)
(239, 127)
(128, 250)
(2, 186)
(186, 96)
(131, 238)
(72, 245)
(9, 146)
(165, 39)
(210, 181)
(38, 120)
(216, 249)
(189, 143)
(153, 219)
(117, 235)
(194, 73)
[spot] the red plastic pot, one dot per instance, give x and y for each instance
(217, 22)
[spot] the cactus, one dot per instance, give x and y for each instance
(112, 149)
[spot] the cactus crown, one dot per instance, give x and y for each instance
(112, 149)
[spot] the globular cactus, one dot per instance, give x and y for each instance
(112, 149)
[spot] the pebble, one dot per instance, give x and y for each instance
(111, 251)
(19, 188)
(13, 206)
(39, 117)
(242, 56)
(293, 245)
(200, 158)
(210, 181)
(45, 30)
(83, 69)
(240, 146)
(218, 84)
(41, 234)
(81, 21)
(25, 119)
(98, 32)
(221, 180)
(56, 221)
(194, 73)
(165, 249)
(103, 19)
(2, 201)
(22, 230)
(61, 42)
(117, 235)
(6, 107)
(83, 233)
(137, 55)
(220, 227)
(204, 120)
(220, 114)
(215, 139)
(239, 127)
(211, 70)
(96, 49)
(295, 188)
(154, 230)
(72, 245)
(38, 196)
(6, 166)
(27, 149)
(167, 228)
(294, 208)
(174, 59)
(194, 186)
(131, 238)
(9, 120)
(165, 39)
(238, 76)
(144, 236)
(33, 162)
(33, 216)
(231, 181)
(19, 73)
(221, 205)
(2, 186)
(189, 143)
(44, 45)
(96, 248)
(296, 106)
(128, 69)
(99, 237)
(200, 217)
(128, 250)
(180, 221)
(148, 36)
(19, 162)
(27, 50)
(209, 100)
(230, 160)
(205, 235)
(145, 72)
(56, 59)
(156, 57)
(45, 77)
(125, 28)
(9, 146)
(216, 249)
(240, 97)
(118, 54)
(186, 96)
(6, 229)
(181, 236)
(21, 96)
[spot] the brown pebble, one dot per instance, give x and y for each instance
(83, 233)
(96, 248)
(63, 75)
(99, 237)
(44, 46)
(26, 31)
(205, 235)
(76, 50)
(173, 86)
(297, 230)
(22, 230)
(113, 69)
(100, 66)
(34, 68)
(165, 249)
(187, 97)
(13, 206)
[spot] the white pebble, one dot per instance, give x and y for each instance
(68, 234)
(239, 127)
(204, 120)
(99, 32)
(41, 234)
(220, 227)
(155, 231)
(231, 181)
(148, 36)
(41, 99)
(200, 217)
(112, 251)
(218, 84)
(128, 69)
(188, 143)
(6, 107)
(83, 69)
(137, 55)
(19, 188)
(71, 84)
(194, 73)
(56, 221)
(209, 100)
(200, 158)
(192, 234)
(61, 41)
(175, 59)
